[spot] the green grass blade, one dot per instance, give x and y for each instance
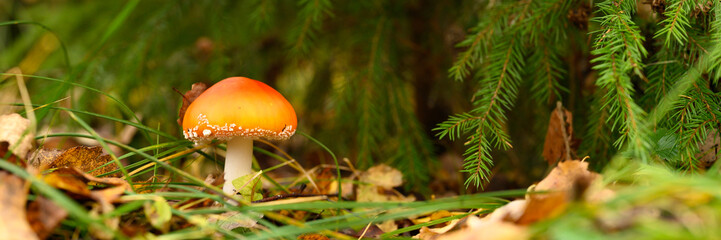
(337, 166)
(46, 28)
(123, 107)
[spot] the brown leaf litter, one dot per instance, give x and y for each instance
(4, 149)
(557, 146)
(44, 215)
(13, 129)
(189, 97)
(76, 181)
(13, 196)
(567, 182)
(86, 159)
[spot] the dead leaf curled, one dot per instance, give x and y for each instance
(13, 129)
(557, 146)
(563, 183)
(189, 97)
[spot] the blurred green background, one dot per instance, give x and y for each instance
(367, 78)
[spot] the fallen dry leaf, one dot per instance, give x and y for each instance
(388, 226)
(68, 182)
(110, 181)
(372, 193)
(324, 180)
(108, 196)
(13, 129)
(475, 228)
(189, 97)
(497, 225)
(233, 220)
(435, 216)
(381, 179)
(368, 232)
(87, 159)
(13, 195)
(433, 233)
(510, 212)
(11, 157)
(557, 146)
(44, 215)
(566, 181)
(41, 158)
(75, 181)
(346, 184)
(383, 176)
(8, 94)
(327, 183)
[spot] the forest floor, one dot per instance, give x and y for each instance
(80, 191)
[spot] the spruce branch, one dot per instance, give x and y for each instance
(477, 45)
(676, 23)
(706, 63)
(457, 125)
(377, 102)
(715, 67)
(694, 116)
(597, 138)
(619, 51)
(414, 149)
(692, 108)
(546, 68)
(368, 121)
(262, 13)
(545, 19)
(683, 84)
(497, 92)
(310, 19)
(370, 87)
(662, 74)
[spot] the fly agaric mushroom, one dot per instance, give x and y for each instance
(238, 110)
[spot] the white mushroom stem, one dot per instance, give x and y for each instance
(238, 161)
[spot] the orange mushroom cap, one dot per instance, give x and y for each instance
(239, 107)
